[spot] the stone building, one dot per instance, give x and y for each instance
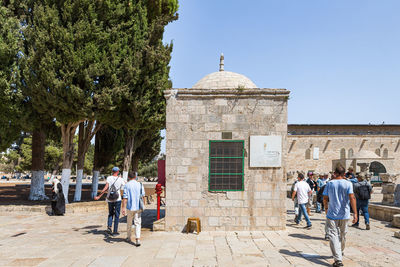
(320, 147)
(225, 154)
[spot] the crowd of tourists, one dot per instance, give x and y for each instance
(336, 193)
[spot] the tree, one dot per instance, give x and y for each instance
(147, 147)
(87, 130)
(108, 142)
(10, 40)
(143, 68)
(63, 63)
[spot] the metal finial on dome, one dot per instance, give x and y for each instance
(221, 62)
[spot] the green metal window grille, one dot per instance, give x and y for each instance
(226, 165)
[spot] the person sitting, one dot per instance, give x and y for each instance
(57, 198)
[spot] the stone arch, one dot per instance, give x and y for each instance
(385, 153)
(342, 153)
(378, 151)
(308, 153)
(350, 153)
(377, 168)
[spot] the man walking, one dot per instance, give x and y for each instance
(303, 191)
(296, 204)
(113, 186)
(320, 183)
(313, 186)
(339, 194)
(362, 191)
(131, 206)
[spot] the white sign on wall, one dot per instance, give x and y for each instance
(316, 153)
(265, 151)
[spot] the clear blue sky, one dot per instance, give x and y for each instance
(340, 59)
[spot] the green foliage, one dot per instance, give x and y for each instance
(53, 155)
(137, 97)
(63, 59)
(25, 153)
(148, 170)
(9, 96)
(108, 148)
(89, 160)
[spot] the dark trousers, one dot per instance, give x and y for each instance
(114, 209)
(362, 205)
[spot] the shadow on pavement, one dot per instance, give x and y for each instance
(303, 236)
(317, 259)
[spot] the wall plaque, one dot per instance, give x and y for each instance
(265, 151)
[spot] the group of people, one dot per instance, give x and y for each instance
(336, 195)
(131, 202)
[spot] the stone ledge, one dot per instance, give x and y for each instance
(382, 212)
(226, 93)
(78, 207)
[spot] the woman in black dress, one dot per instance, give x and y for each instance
(57, 199)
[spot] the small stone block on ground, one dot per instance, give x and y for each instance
(396, 221)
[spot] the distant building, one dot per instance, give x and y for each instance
(320, 147)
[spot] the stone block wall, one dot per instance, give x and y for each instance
(330, 147)
(194, 117)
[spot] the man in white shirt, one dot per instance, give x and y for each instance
(133, 191)
(113, 186)
(303, 192)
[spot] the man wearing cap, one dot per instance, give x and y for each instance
(350, 175)
(362, 192)
(113, 186)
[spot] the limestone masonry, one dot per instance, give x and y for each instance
(227, 110)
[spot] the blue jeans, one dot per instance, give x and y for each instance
(113, 211)
(362, 205)
(303, 210)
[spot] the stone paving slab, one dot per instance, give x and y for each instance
(80, 240)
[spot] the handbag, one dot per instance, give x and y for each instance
(141, 202)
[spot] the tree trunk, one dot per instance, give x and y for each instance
(95, 183)
(128, 153)
(68, 133)
(87, 130)
(135, 163)
(38, 149)
(96, 165)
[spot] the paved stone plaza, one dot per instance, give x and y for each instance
(79, 240)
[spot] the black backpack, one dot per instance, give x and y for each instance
(363, 192)
(320, 196)
(113, 194)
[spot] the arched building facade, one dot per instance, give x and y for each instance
(320, 147)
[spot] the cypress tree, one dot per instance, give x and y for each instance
(9, 96)
(143, 67)
(62, 64)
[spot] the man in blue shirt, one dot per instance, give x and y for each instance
(133, 191)
(339, 194)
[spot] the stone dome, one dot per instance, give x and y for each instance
(224, 79)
